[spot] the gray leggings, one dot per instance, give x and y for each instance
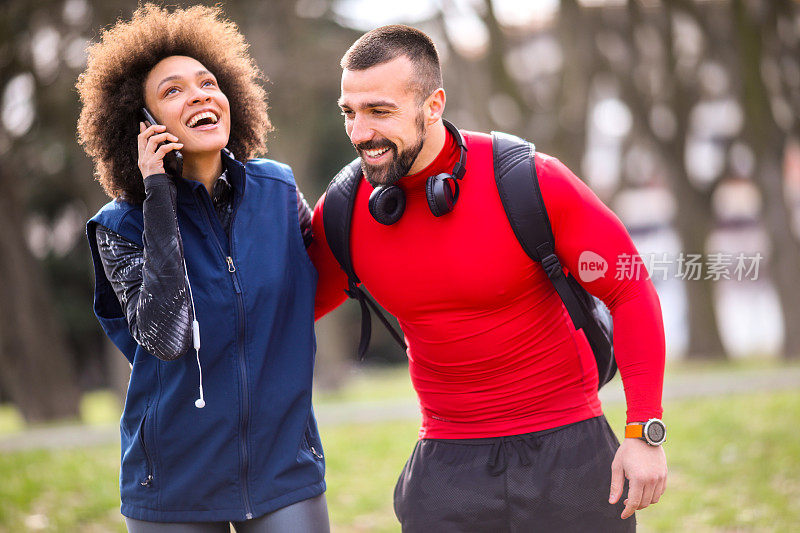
(308, 516)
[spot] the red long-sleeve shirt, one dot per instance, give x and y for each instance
(491, 348)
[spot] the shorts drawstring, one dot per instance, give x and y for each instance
(498, 456)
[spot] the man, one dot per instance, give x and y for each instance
(513, 437)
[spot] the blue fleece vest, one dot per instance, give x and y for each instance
(254, 447)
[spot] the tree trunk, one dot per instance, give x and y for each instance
(767, 140)
(693, 224)
(694, 218)
(575, 34)
(499, 77)
(35, 364)
(784, 259)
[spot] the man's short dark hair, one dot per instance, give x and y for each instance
(388, 42)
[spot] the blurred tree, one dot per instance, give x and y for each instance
(502, 83)
(36, 358)
(674, 62)
(658, 75)
(579, 68)
(768, 46)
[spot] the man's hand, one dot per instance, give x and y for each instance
(645, 467)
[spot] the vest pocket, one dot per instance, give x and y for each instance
(311, 448)
(147, 480)
(310, 442)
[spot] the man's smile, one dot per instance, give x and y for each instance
(375, 156)
(375, 152)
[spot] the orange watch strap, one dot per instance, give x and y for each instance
(634, 431)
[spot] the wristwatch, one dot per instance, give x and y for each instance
(653, 432)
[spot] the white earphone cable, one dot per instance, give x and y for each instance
(200, 402)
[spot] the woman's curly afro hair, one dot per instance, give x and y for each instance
(112, 87)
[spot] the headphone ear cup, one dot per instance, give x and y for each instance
(386, 204)
(439, 194)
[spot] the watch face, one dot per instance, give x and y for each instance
(655, 432)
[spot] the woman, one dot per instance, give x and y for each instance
(215, 257)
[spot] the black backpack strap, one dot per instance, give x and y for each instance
(337, 216)
(518, 185)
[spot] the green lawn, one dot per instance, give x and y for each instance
(734, 466)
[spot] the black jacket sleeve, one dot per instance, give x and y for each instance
(150, 282)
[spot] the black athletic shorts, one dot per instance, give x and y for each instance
(551, 481)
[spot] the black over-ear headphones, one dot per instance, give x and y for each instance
(386, 204)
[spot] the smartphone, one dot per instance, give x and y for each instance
(173, 160)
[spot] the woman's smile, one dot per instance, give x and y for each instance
(185, 97)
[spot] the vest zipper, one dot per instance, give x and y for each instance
(310, 448)
(245, 403)
(245, 398)
(148, 480)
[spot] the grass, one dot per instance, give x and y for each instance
(734, 466)
(10, 420)
(363, 463)
(369, 385)
(71, 490)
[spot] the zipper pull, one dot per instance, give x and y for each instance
(232, 270)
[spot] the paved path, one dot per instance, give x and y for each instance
(676, 387)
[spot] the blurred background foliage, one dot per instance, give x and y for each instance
(682, 115)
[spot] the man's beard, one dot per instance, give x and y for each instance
(398, 166)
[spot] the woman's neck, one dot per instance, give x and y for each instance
(205, 168)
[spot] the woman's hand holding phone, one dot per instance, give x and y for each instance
(151, 155)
